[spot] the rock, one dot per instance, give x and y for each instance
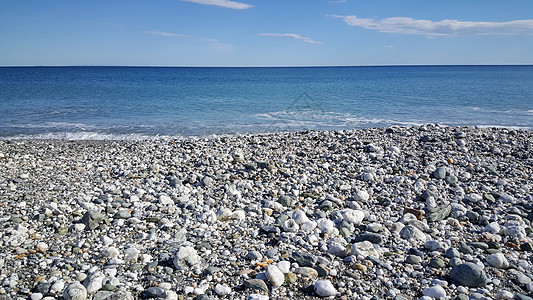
(186, 257)
(338, 250)
(57, 287)
(300, 217)
(325, 225)
(131, 255)
(417, 213)
(364, 249)
(439, 173)
(440, 213)
(256, 284)
(92, 219)
(435, 292)
(374, 238)
(254, 255)
(275, 276)
(361, 196)
(102, 295)
(497, 260)
(413, 259)
(353, 216)
(257, 297)
(306, 272)
(469, 274)
(437, 263)
(94, 282)
(290, 226)
(222, 290)
(324, 288)
(75, 291)
(284, 266)
(410, 232)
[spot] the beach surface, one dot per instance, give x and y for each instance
(383, 213)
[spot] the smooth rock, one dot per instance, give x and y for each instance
(469, 274)
(435, 292)
(94, 282)
(497, 260)
(75, 291)
(324, 288)
(222, 290)
(275, 276)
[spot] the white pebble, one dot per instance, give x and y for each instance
(324, 288)
(222, 290)
(275, 276)
(435, 292)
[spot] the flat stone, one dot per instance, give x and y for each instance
(92, 219)
(440, 213)
(256, 284)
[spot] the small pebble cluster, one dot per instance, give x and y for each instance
(426, 212)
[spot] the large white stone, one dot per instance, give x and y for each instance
(361, 196)
(497, 260)
(185, 257)
(324, 288)
(75, 291)
(365, 249)
(93, 282)
(435, 292)
(353, 216)
(275, 276)
(284, 266)
(222, 290)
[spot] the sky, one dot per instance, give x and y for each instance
(265, 32)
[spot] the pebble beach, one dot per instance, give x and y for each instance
(426, 212)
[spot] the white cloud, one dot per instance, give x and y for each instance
(403, 25)
(162, 33)
(291, 35)
(222, 3)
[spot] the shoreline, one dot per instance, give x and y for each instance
(274, 215)
(99, 136)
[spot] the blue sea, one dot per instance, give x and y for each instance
(154, 102)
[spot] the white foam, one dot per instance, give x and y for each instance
(88, 135)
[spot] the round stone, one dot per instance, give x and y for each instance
(324, 288)
(469, 274)
(435, 292)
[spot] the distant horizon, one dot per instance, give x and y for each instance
(306, 66)
(265, 33)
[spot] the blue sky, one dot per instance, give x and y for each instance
(265, 32)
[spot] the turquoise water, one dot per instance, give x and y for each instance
(143, 102)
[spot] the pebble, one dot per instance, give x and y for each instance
(75, 291)
(497, 260)
(185, 257)
(383, 213)
(435, 292)
(222, 290)
(275, 276)
(324, 288)
(468, 274)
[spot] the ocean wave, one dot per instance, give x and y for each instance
(314, 118)
(505, 111)
(89, 135)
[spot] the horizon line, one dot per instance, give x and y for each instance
(263, 66)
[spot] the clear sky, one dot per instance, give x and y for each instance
(265, 32)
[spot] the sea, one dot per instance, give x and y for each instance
(130, 103)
